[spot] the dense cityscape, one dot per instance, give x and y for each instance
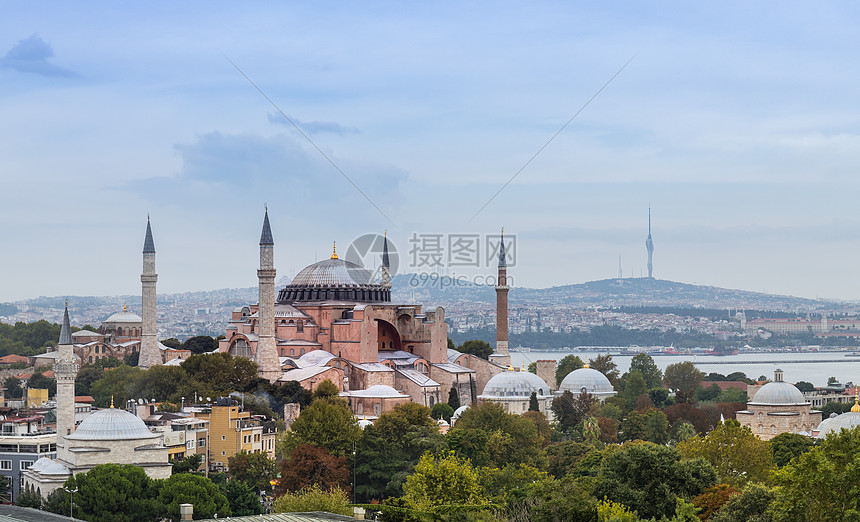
(483, 262)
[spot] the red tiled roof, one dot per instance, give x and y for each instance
(12, 359)
(84, 398)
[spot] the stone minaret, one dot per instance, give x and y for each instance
(65, 371)
(650, 246)
(266, 355)
(501, 355)
(386, 265)
(150, 353)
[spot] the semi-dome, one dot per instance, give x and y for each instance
(515, 384)
(778, 393)
(112, 424)
(587, 380)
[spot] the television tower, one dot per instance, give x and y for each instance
(650, 246)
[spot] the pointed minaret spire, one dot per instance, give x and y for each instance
(148, 243)
(649, 245)
(266, 236)
(385, 260)
(502, 256)
(66, 329)
(386, 267)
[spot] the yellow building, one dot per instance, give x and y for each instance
(232, 430)
(36, 397)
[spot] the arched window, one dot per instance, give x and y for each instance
(377, 409)
(118, 331)
(240, 348)
(91, 359)
(302, 351)
(300, 327)
(283, 352)
(772, 429)
(432, 400)
(292, 352)
(360, 408)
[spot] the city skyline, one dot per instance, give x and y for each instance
(730, 123)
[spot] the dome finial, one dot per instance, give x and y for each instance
(111, 401)
(125, 307)
(856, 407)
(334, 249)
(586, 363)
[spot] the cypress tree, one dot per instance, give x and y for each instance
(453, 398)
(533, 403)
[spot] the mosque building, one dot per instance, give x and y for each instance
(107, 436)
(779, 407)
(513, 389)
(334, 321)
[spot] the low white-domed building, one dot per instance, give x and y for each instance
(779, 407)
(374, 400)
(107, 436)
(513, 389)
(587, 380)
(836, 423)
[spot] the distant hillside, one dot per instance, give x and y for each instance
(613, 292)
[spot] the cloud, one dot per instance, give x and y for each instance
(314, 127)
(31, 55)
(248, 168)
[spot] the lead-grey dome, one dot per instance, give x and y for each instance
(778, 393)
(587, 380)
(333, 272)
(835, 424)
(112, 424)
(123, 317)
(515, 384)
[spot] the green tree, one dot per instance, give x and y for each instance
(13, 388)
(39, 381)
(453, 398)
(113, 492)
(821, 484)
(172, 342)
(554, 500)
(569, 410)
(645, 365)
(312, 499)
(608, 511)
(325, 390)
(713, 499)
(243, 500)
(451, 345)
(647, 477)
(656, 427)
(29, 499)
(787, 446)
(114, 384)
(470, 444)
(511, 438)
(634, 386)
(221, 371)
(752, 505)
(58, 501)
(682, 430)
(326, 423)
(533, 402)
(186, 488)
(509, 482)
(604, 364)
(442, 481)
(567, 364)
(477, 348)
(684, 378)
(804, 386)
(738, 456)
(389, 450)
(254, 469)
(189, 464)
(200, 344)
(441, 410)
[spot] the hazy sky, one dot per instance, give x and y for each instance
(736, 122)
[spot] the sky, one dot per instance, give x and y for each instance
(736, 122)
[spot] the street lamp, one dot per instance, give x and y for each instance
(71, 493)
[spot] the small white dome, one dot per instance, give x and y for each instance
(377, 391)
(112, 424)
(515, 384)
(586, 380)
(363, 423)
(778, 393)
(123, 317)
(316, 358)
(835, 424)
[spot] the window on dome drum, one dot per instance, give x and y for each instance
(302, 351)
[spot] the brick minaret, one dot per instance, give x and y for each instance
(65, 371)
(266, 355)
(501, 355)
(150, 353)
